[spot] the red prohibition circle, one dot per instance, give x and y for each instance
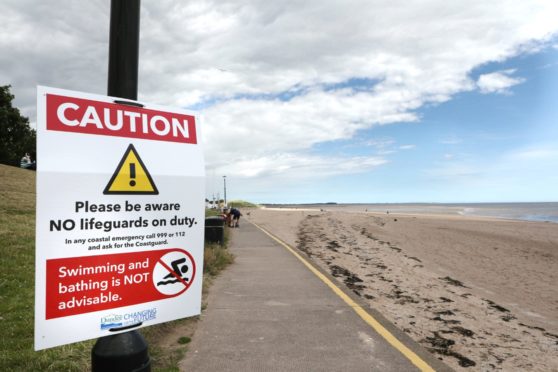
(186, 285)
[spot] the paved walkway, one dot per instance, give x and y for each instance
(269, 312)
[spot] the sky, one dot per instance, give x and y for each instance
(327, 101)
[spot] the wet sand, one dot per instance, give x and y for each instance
(481, 294)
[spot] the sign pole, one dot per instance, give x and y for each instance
(124, 351)
(124, 49)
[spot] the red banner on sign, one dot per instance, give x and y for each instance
(70, 114)
(81, 285)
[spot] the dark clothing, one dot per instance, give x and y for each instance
(236, 213)
(236, 216)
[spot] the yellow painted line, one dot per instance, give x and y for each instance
(369, 319)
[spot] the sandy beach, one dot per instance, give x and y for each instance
(480, 293)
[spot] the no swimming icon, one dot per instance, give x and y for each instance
(174, 272)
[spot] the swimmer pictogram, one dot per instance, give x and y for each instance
(179, 268)
(174, 273)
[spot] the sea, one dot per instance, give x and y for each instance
(543, 212)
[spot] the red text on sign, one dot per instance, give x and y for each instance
(70, 114)
(79, 285)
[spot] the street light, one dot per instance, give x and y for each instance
(225, 188)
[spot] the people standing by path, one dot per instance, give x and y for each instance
(235, 217)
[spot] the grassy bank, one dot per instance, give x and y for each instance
(242, 204)
(167, 342)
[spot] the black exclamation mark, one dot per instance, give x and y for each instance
(132, 174)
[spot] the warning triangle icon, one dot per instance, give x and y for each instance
(131, 176)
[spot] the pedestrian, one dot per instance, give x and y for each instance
(227, 216)
(236, 217)
(25, 161)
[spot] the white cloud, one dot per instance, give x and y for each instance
(407, 147)
(541, 153)
(498, 82)
(294, 166)
(457, 171)
(278, 77)
(380, 143)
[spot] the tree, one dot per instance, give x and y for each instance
(16, 137)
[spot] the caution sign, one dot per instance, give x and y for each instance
(120, 211)
(131, 176)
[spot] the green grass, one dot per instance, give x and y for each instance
(17, 276)
(212, 212)
(216, 258)
(242, 204)
(184, 340)
(17, 283)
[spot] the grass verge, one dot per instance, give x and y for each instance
(166, 341)
(242, 204)
(17, 285)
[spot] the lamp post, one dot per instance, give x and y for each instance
(225, 189)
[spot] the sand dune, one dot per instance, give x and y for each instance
(480, 293)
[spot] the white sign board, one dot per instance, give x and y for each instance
(120, 211)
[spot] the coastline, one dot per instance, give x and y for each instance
(522, 211)
(471, 289)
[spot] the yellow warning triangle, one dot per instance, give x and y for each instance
(131, 176)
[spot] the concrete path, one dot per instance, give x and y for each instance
(269, 312)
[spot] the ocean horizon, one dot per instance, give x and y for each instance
(525, 211)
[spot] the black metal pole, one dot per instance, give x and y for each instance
(124, 351)
(124, 49)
